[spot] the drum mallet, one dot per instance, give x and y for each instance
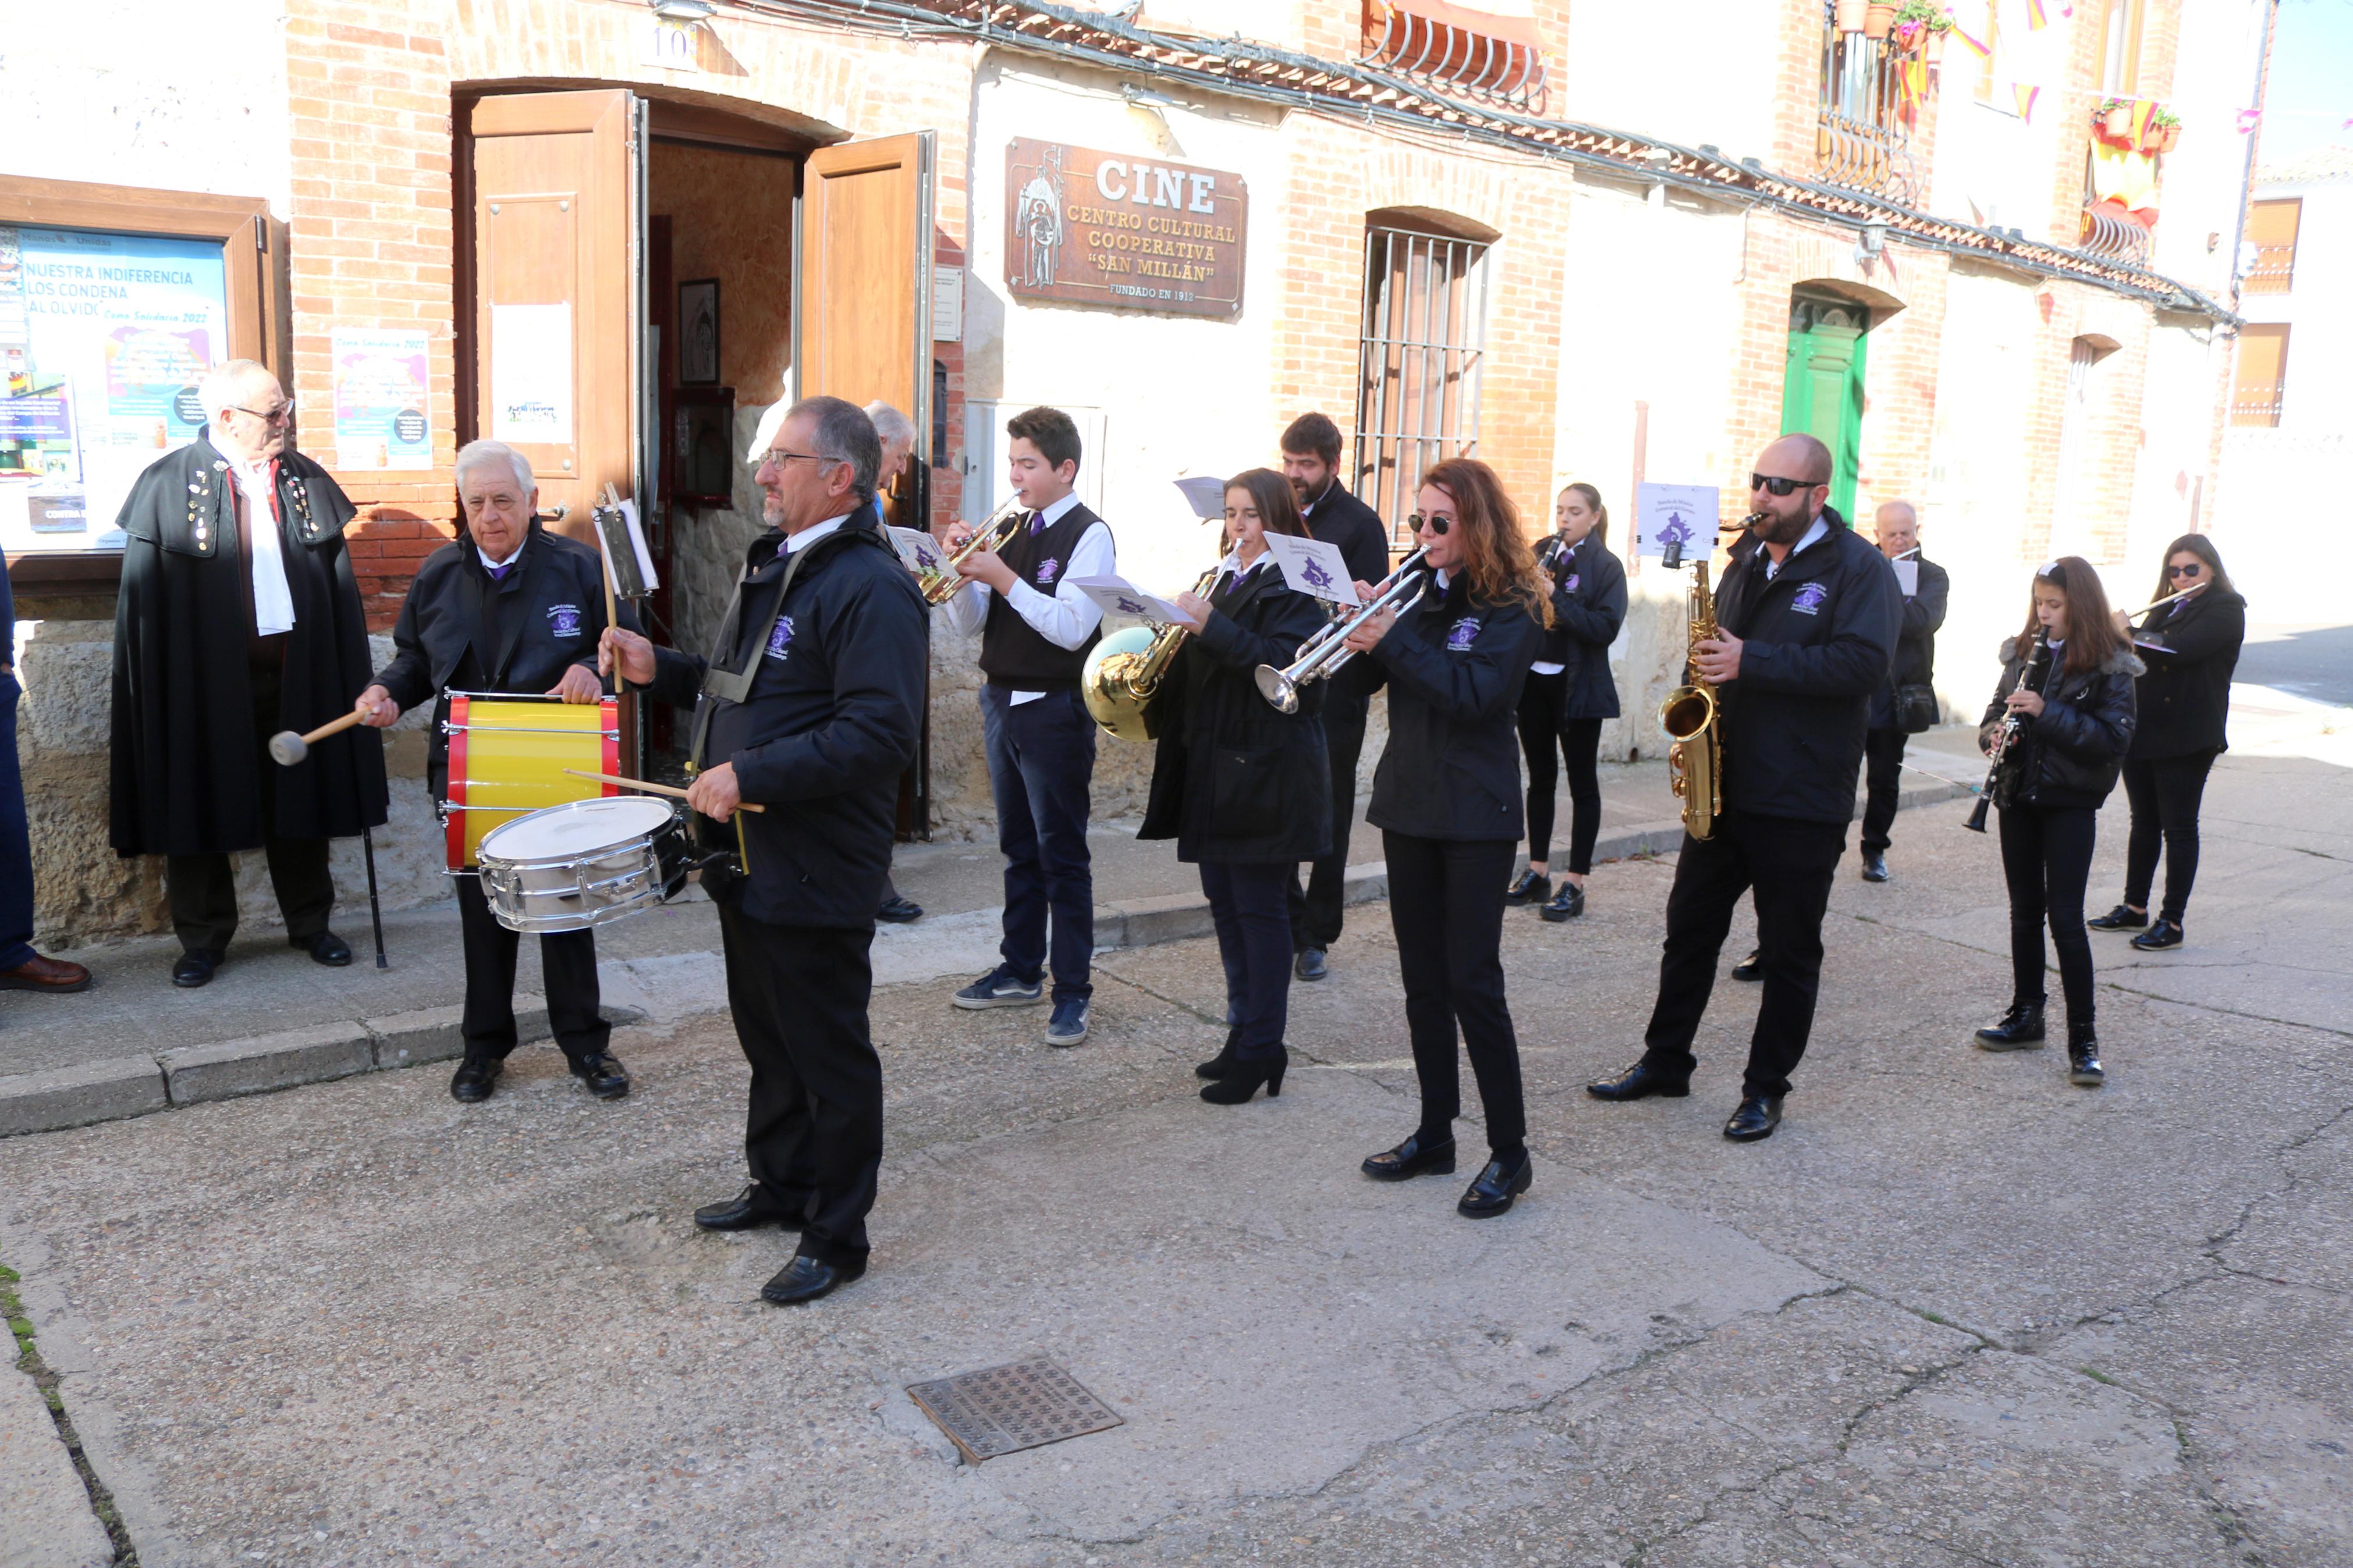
(286, 749)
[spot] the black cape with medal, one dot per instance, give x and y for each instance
(187, 759)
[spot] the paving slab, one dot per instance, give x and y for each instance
(44, 1515)
(76, 1096)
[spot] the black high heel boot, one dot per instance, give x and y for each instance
(1248, 1073)
(2021, 1029)
(1223, 1062)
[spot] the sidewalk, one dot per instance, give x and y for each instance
(134, 1044)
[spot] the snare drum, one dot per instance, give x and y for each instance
(584, 864)
(507, 756)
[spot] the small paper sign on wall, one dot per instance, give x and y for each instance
(531, 374)
(382, 418)
(1681, 515)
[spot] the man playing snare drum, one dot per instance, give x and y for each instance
(507, 607)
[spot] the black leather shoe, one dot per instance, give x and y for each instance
(748, 1210)
(1758, 1116)
(1249, 1072)
(1748, 968)
(2083, 1057)
(2021, 1029)
(1412, 1158)
(1874, 867)
(2159, 937)
(1223, 1062)
(1639, 1081)
(1309, 964)
(900, 910)
(1566, 905)
(603, 1073)
(195, 967)
(1528, 888)
(324, 947)
(1497, 1186)
(805, 1278)
(2121, 918)
(475, 1079)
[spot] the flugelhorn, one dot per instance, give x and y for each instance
(1122, 674)
(1327, 651)
(940, 582)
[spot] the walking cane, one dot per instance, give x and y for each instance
(376, 906)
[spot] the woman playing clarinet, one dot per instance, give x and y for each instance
(2071, 721)
(1447, 801)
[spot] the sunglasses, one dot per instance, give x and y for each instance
(2192, 570)
(1417, 521)
(1779, 487)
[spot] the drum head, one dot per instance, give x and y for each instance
(579, 827)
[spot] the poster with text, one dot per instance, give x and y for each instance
(1675, 514)
(531, 374)
(382, 417)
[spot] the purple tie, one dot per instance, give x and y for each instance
(498, 573)
(1037, 521)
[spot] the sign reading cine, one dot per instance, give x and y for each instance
(1088, 227)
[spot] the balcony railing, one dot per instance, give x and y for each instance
(2115, 236)
(1862, 139)
(2256, 406)
(1460, 51)
(2273, 271)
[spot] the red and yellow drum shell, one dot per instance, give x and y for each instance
(507, 756)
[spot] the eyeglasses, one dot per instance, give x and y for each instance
(776, 457)
(1417, 521)
(2189, 570)
(281, 415)
(1779, 487)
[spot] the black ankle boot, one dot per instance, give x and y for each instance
(1248, 1073)
(2021, 1029)
(2084, 1055)
(1223, 1062)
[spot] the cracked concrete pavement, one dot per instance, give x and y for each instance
(1956, 1312)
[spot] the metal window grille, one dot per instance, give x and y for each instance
(1861, 137)
(1454, 59)
(1420, 360)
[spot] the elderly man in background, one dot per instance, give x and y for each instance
(239, 616)
(1905, 703)
(897, 433)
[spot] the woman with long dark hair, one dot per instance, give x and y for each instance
(2190, 647)
(1243, 788)
(1447, 801)
(2076, 715)
(1568, 695)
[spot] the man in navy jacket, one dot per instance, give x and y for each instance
(809, 707)
(1806, 629)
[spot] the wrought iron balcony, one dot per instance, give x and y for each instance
(2111, 234)
(1861, 137)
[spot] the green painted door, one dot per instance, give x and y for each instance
(1823, 395)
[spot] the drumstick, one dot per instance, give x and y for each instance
(287, 748)
(671, 790)
(605, 554)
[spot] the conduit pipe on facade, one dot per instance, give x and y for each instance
(1055, 35)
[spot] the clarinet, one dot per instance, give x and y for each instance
(2005, 740)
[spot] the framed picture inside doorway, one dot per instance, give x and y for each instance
(702, 465)
(698, 332)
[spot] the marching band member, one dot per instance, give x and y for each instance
(1035, 631)
(1896, 527)
(1806, 628)
(2076, 719)
(1243, 788)
(810, 706)
(2191, 644)
(1569, 695)
(509, 607)
(1311, 461)
(1447, 801)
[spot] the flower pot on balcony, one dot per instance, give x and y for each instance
(2164, 138)
(1849, 15)
(2116, 123)
(1878, 21)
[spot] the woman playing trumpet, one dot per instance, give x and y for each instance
(1447, 801)
(1240, 784)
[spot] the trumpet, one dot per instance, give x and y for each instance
(1123, 672)
(940, 581)
(1327, 651)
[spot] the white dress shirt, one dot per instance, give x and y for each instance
(808, 536)
(273, 600)
(1820, 530)
(1066, 617)
(495, 567)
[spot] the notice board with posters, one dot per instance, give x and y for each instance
(1089, 227)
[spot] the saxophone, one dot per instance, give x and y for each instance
(1695, 760)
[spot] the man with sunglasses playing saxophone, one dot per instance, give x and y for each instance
(1807, 625)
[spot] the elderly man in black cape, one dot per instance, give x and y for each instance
(239, 617)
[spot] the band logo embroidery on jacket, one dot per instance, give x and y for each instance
(564, 620)
(1809, 598)
(1460, 635)
(1047, 568)
(780, 640)
(1570, 586)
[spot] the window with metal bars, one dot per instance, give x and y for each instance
(1420, 362)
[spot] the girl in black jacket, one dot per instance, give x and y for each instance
(2190, 647)
(1570, 694)
(1243, 788)
(1447, 801)
(2077, 714)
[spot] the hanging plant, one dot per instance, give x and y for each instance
(1878, 21)
(2113, 119)
(1921, 26)
(1851, 14)
(2163, 131)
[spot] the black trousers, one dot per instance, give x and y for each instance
(568, 962)
(1579, 741)
(1446, 900)
(2046, 858)
(1882, 773)
(1246, 902)
(1042, 765)
(1790, 864)
(2164, 796)
(202, 889)
(813, 1137)
(1316, 914)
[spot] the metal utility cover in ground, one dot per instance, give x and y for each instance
(1004, 1409)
